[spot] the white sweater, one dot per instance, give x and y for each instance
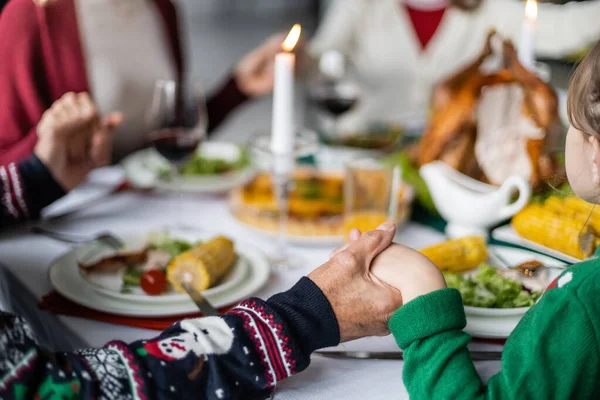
(126, 51)
(380, 38)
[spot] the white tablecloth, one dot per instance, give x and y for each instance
(29, 255)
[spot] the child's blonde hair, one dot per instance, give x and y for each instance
(584, 94)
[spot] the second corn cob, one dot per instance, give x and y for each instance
(558, 228)
(458, 254)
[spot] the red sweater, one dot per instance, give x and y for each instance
(41, 59)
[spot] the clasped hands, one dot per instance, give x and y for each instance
(369, 278)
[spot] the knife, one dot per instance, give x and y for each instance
(201, 302)
(395, 355)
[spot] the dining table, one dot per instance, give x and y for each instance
(28, 255)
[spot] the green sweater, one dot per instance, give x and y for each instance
(552, 354)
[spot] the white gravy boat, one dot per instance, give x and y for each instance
(471, 207)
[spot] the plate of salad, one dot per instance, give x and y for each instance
(497, 295)
(140, 271)
(216, 167)
(226, 272)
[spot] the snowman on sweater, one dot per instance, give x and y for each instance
(200, 337)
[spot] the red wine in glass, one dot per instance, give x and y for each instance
(174, 144)
(336, 106)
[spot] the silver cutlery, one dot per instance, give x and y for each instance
(201, 302)
(395, 355)
(104, 237)
(530, 269)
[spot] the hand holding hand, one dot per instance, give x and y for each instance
(361, 301)
(73, 139)
(404, 268)
(407, 270)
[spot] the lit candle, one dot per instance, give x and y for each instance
(283, 133)
(526, 44)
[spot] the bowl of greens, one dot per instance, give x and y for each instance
(215, 167)
(496, 290)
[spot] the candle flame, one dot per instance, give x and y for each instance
(292, 38)
(531, 9)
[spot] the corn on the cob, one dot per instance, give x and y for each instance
(575, 208)
(554, 227)
(459, 254)
(203, 265)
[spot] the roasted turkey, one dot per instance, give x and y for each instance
(491, 125)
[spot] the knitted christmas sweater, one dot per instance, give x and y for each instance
(552, 354)
(240, 355)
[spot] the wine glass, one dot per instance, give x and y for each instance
(333, 93)
(177, 122)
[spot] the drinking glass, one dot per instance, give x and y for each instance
(177, 122)
(371, 194)
(282, 167)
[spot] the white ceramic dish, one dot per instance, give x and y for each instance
(472, 207)
(498, 323)
(142, 167)
(507, 234)
(65, 277)
(238, 272)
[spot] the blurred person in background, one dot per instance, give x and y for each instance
(114, 49)
(401, 48)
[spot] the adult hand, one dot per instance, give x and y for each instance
(254, 73)
(362, 302)
(73, 139)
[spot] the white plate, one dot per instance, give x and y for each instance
(238, 272)
(507, 234)
(499, 323)
(136, 240)
(141, 169)
(65, 278)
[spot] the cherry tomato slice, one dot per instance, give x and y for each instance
(153, 282)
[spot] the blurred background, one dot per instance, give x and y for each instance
(221, 32)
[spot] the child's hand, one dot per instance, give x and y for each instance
(406, 269)
(409, 271)
(73, 139)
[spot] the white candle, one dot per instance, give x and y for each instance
(282, 129)
(527, 41)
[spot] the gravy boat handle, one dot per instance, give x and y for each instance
(523, 187)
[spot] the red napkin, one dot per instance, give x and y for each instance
(56, 303)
